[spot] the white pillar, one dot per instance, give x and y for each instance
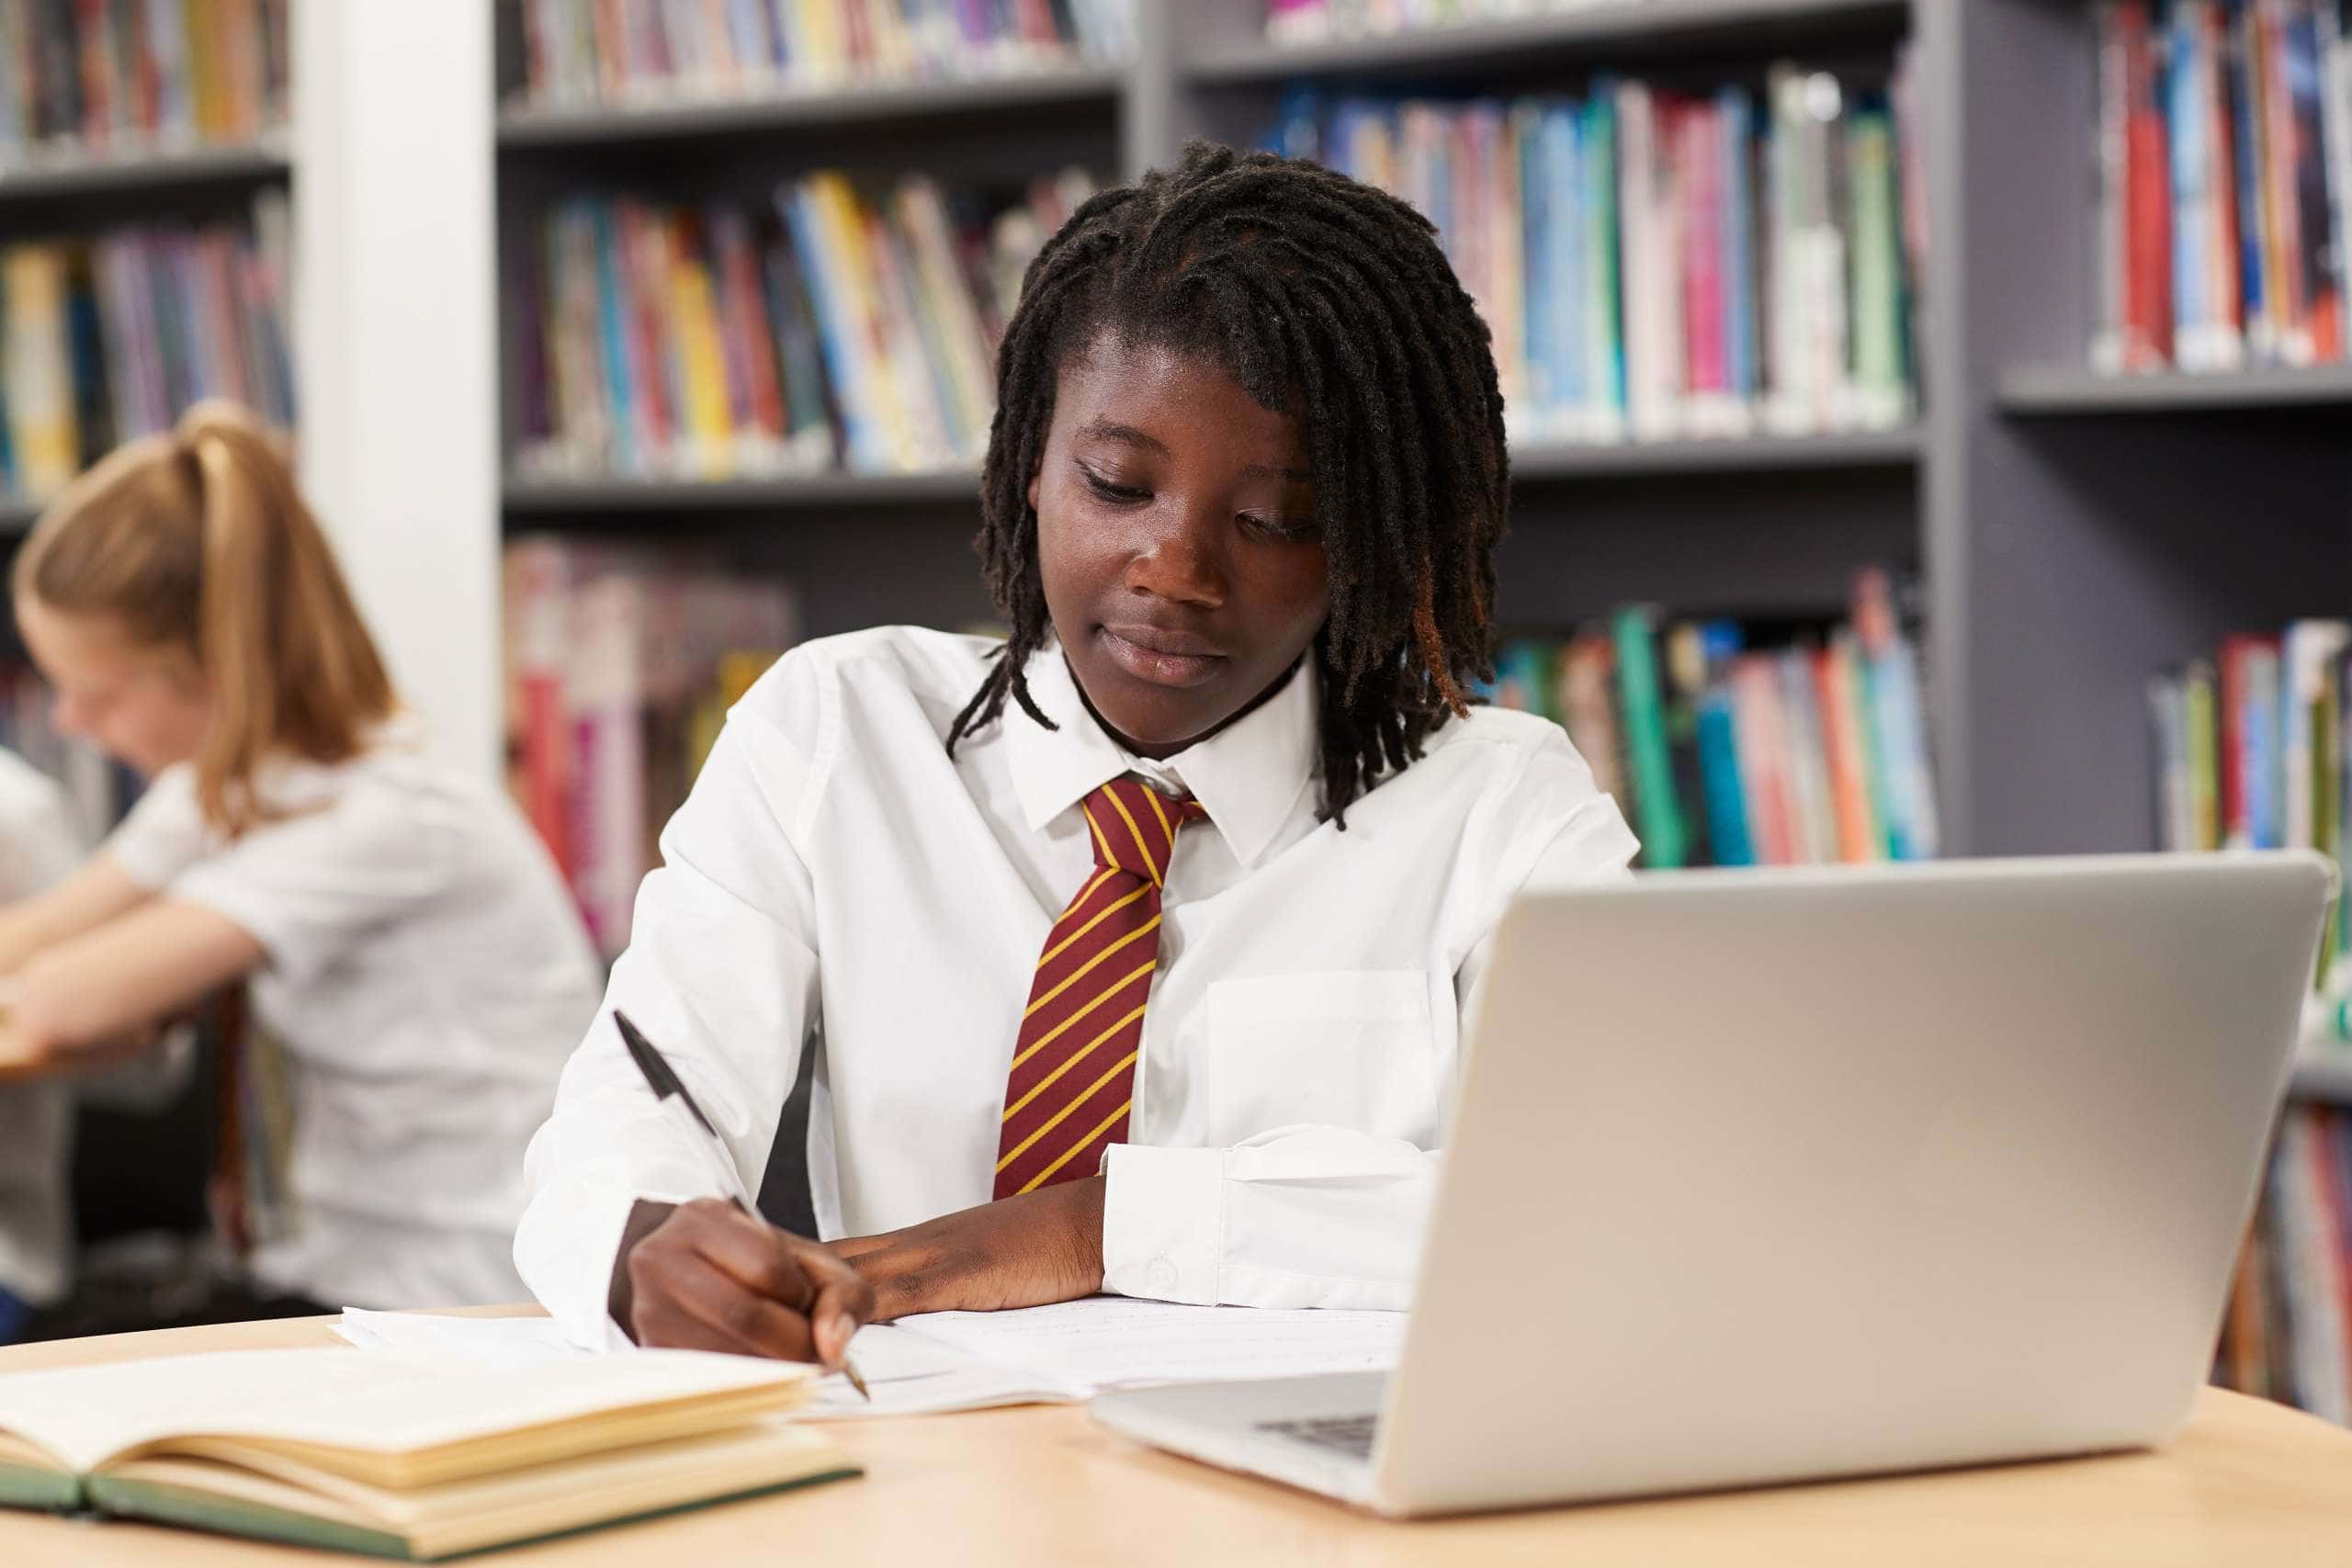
(396, 339)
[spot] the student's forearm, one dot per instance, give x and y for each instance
(98, 893)
(126, 976)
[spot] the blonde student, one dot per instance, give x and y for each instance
(415, 969)
(1133, 950)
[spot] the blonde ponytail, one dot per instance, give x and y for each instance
(201, 541)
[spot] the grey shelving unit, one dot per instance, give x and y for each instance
(145, 174)
(2071, 534)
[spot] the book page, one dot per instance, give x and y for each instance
(374, 1401)
(1113, 1341)
(907, 1374)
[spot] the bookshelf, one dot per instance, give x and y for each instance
(159, 175)
(2040, 390)
(2323, 1077)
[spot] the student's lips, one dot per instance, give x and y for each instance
(1162, 657)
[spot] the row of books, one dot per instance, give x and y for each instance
(620, 664)
(2225, 167)
(120, 77)
(1732, 743)
(1660, 264)
(2254, 750)
(618, 51)
(2288, 1333)
(840, 325)
(106, 338)
(1311, 21)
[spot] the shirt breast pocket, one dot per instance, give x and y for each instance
(1344, 1048)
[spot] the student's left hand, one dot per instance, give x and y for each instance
(1040, 1248)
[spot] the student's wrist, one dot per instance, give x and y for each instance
(645, 1217)
(1031, 1250)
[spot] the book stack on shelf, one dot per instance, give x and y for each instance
(1755, 743)
(80, 81)
(2288, 1333)
(106, 338)
(1661, 265)
(1312, 21)
(2225, 167)
(586, 51)
(621, 665)
(837, 326)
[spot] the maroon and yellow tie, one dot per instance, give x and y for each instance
(1074, 1067)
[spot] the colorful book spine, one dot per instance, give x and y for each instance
(592, 51)
(1775, 743)
(1659, 264)
(127, 78)
(2224, 178)
(717, 340)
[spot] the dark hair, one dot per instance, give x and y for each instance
(1327, 299)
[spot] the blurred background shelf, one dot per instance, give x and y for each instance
(868, 104)
(2324, 1076)
(63, 177)
(2072, 389)
(1620, 29)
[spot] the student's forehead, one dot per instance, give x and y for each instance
(1114, 382)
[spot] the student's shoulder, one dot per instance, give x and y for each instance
(882, 665)
(1493, 742)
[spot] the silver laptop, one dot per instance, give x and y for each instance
(1772, 1176)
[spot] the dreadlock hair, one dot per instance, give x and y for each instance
(1329, 300)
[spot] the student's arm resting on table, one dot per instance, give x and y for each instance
(97, 892)
(722, 974)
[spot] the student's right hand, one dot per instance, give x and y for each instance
(706, 1276)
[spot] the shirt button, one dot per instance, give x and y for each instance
(1162, 1278)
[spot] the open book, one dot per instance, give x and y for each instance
(967, 1360)
(404, 1455)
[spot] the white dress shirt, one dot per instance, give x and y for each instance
(426, 974)
(39, 846)
(836, 879)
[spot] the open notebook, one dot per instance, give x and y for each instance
(408, 1454)
(968, 1360)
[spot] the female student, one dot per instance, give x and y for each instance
(1132, 949)
(414, 967)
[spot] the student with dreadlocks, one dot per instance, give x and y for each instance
(1132, 949)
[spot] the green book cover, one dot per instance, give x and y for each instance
(1660, 818)
(1605, 331)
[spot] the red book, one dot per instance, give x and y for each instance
(644, 259)
(1697, 141)
(2237, 827)
(2147, 198)
(861, 33)
(746, 318)
(97, 68)
(2220, 132)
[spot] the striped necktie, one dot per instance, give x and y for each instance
(1074, 1067)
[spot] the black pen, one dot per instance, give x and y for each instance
(670, 1093)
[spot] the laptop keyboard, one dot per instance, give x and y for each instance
(1349, 1435)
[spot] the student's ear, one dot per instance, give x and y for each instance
(1036, 475)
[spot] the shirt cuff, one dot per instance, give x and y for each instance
(1163, 1223)
(567, 1242)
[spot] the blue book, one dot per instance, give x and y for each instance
(2245, 145)
(1563, 133)
(1604, 299)
(1739, 117)
(865, 446)
(1297, 131)
(1719, 750)
(1539, 243)
(612, 307)
(2185, 128)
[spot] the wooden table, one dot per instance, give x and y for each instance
(2249, 1483)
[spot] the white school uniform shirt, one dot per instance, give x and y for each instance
(837, 880)
(39, 846)
(427, 973)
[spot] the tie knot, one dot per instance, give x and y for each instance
(1134, 827)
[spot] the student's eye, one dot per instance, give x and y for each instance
(1108, 490)
(1279, 530)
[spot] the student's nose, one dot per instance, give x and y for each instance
(1182, 562)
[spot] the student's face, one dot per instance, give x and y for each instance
(1177, 541)
(143, 706)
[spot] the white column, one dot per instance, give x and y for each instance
(395, 337)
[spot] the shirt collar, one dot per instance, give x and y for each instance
(1249, 775)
